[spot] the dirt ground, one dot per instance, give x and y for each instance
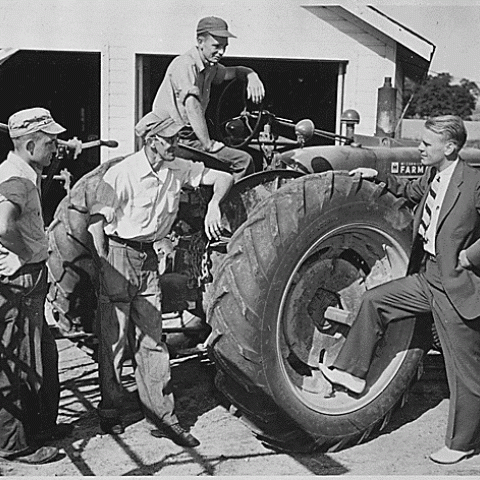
(227, 446)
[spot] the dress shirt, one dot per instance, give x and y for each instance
(444, 179)
(20, 185)
(141, 204)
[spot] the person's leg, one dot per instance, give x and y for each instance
(460, 342)
(13, 435)
(114, 314)
(50, 389)
(20, 369)
(152, 358)
(151, 354)
(395, 300)
(240, 163)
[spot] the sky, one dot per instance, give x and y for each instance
(454, 27)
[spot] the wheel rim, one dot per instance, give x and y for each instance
(335, 271)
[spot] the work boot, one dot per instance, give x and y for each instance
(34, 457)
(112, 426)
(177, 434)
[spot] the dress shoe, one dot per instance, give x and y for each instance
(344, 379)
(113, 426)
(177, 434)
(447, 456)
(57, 432)
(34, 457)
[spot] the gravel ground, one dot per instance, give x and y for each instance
(227, 446)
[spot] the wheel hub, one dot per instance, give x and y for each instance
(332, 277)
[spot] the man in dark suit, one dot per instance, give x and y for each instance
(443, 278)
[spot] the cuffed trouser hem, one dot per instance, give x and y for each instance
(6, 454)
(108, 413)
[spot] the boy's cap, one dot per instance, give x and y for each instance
(214, 26)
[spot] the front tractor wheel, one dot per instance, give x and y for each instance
(284, 299)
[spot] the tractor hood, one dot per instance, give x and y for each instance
(400, 161)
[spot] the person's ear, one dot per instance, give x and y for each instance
(151, 144)
(30, 146)
(449, 149)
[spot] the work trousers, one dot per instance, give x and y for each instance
(29, 385)
(240, 163)
(130, 299)
(459, 338)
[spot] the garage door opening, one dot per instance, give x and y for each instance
(295, 89)
(67, 84)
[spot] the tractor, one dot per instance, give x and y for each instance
(276, 295)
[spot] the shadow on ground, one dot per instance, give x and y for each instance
(227, 446)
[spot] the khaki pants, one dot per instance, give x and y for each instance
(240, 163)
(130, 299)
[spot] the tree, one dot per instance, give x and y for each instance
(437, 96)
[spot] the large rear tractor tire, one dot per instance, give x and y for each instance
(72, 299)
(319, 241)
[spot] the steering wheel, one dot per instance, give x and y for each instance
(237, 132)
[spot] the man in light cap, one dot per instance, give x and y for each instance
(184, 93)
(28, 354)
(138, 201)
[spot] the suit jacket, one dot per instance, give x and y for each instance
(458, 228)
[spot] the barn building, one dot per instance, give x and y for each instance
(96, 64)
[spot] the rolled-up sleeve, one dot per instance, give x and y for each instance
(191, 172)
(195, 174)
(184, 78)
(15, 190)
(107, 197)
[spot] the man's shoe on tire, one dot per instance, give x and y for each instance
(447, 456)
(346, 380)
(177, 434)
(35, 457)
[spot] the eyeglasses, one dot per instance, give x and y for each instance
(166, 140)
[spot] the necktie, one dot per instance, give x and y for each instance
(428, 208)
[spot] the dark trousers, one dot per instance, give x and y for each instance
(240, 163)
(460, 341)
(29, 386)
(130, 300)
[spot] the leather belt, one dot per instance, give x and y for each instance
(140, 246)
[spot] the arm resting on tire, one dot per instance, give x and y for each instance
(221, 182)
(411, 190)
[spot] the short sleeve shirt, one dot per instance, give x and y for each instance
(186, 75)
(19, 185)
(139, 203)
